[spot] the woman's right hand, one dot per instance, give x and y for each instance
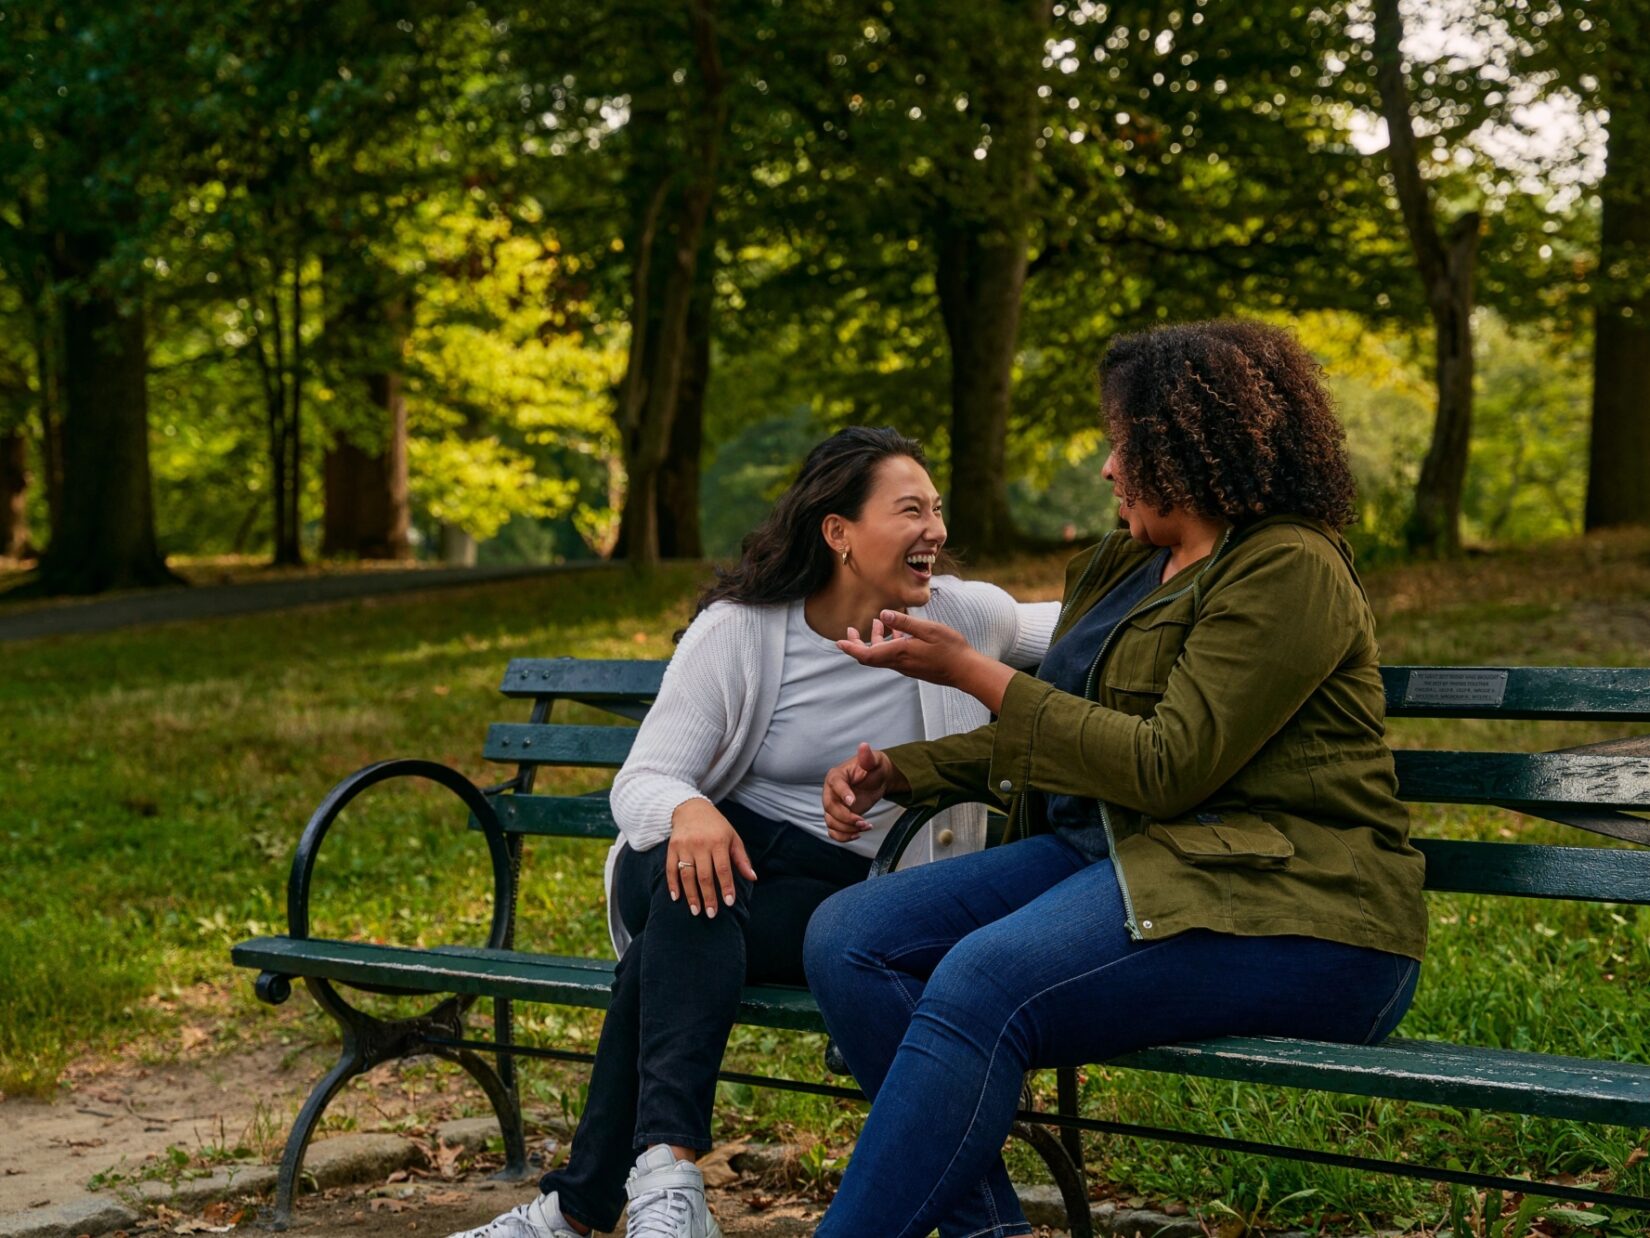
(858, 782)
(703, 851)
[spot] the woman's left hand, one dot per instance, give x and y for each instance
(933, 652)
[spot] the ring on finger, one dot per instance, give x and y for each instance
(684, 864)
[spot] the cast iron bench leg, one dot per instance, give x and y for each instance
(369, 1041)
(352, 1062)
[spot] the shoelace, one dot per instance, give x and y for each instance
(662, 1214)
(502, 1224)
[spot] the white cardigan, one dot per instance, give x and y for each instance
(703, 732)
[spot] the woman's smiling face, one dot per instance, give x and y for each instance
(893, 544)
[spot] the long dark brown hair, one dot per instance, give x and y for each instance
(1227, 419)
(785, 557)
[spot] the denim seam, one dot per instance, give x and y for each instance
(1404, 973)
(998, 1230)
(992, 1060)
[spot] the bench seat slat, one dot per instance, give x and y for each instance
(1564, 693)
(559, 744)
(1503, 1080)
(565, 816)
(1500, 1079)
(492, 973)
(1523, 779)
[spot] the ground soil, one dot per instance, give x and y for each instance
(128, 1120)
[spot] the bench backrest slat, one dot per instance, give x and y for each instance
(564, 816)
(1562, 693)
(1586, 874)
(584, 679)
(1523, 779)
(559, 744)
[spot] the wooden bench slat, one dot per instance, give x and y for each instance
(559, 744)
(1518, 779)
(1584, 693)
(562, 816)
(492, 973)
(583, 679)
(1587, 874)
(1503, 1080)
(1427, 1071)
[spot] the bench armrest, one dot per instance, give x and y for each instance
(309, 844)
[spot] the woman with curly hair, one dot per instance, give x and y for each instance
(1206, 838)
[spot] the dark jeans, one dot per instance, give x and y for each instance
(675, 994)
(942, 985)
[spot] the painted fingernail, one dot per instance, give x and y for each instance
(728, 899)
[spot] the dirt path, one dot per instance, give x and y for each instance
(72, 618)
(128, 1124)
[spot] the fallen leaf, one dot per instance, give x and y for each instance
(446, 1197)
(1635, 1156)
(399, 1175)
(383, 1203)
(714, 1166)
(192, 1037)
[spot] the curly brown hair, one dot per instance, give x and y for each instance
(1227, 419)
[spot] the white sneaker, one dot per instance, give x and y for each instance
(667, 1199)
(537, 1218)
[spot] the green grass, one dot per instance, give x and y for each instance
(154, 783)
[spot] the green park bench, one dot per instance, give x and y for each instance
(1595, 789)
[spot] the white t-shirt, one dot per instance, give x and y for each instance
(827, 704)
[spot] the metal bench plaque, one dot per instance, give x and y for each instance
(1455, 687)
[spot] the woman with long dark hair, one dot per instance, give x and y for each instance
(1206, 838)
(723, 854)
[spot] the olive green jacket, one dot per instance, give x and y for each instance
(1232, 731)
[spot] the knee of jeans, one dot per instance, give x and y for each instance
(830, 930)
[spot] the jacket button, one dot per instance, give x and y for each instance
(945, 838)
(1145, 924)
(1005, 786)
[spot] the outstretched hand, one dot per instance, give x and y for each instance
(923, 649)
(858, 782)
(919, 648)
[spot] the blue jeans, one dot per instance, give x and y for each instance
(942, 985)
(675, 995)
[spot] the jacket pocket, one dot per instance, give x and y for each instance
(1145, 652)
(1215, 839)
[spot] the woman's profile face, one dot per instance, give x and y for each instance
(899, 531)
(1144, 523)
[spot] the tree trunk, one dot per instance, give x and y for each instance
(982, 244)
(1618, 466)
(458, 548)
(106, 539)
(678, 485)
(366, 504)
(14, 493)
(48, 351)
(650, 392)
(1435, 524)
(980, 282)
(1447, 266)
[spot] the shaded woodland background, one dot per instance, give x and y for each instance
(450, 280)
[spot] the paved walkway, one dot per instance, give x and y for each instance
(130, 610)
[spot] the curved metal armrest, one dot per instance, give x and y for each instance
(303, 862)
(905, 830)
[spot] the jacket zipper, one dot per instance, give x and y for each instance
(1129, 921)
(1024, 808)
